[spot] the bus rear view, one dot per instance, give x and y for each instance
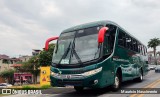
(84, 56)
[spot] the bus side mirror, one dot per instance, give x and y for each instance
(101, 34)
(49, 40)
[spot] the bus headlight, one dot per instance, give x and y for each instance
(53, 74)
(88, 73)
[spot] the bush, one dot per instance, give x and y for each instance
(8, 74)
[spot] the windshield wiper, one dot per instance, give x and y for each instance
(76, 55)
(65, 54)
(97, 51)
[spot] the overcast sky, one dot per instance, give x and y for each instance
(26, 24)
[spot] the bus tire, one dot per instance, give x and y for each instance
(140, 78)
(117, 83)
(79, 88)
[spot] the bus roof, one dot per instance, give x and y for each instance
(96, 23)
(86, 25)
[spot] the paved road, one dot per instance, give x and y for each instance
(152, 80)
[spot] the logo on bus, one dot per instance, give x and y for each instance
(68, 76)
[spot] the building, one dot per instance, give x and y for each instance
(6, 62)
(35, 52)
(151, 58)
(24, 58)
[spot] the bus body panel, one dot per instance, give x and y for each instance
(108, 72)
(105, 77)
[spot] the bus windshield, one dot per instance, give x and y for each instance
(81, 45)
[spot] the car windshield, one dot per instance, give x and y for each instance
(77, 46)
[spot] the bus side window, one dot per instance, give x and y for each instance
(136, 46)
(109, 39)
(131, 44)
(144, 50)
(128, 42)
(139, 49)
(112, 36)
(107, 45)
(124, 40)
(121, 38)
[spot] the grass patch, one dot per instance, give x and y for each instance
(32, 86)
(35, 87)
(45, 86)
(28, 87)
(5, 94)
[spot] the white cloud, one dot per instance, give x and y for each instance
(50, 9)
(26, 24)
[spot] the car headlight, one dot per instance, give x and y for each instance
(92, 72)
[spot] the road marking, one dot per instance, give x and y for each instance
(141, 95)
(156, 82)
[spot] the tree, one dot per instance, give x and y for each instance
(8, 75)
(153, 43)
(32, 66)
(45, 57)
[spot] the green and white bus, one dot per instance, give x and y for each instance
(96, 55)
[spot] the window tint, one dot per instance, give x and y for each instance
(109, 39)
(130, 43)
(121, 38)
(135, 46)
(144, 50)
(141, 49)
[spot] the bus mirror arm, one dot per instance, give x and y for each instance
(49, 40)
(101, 34)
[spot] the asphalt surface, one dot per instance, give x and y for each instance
(105, 92)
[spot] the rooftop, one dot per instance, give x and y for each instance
(4, 56)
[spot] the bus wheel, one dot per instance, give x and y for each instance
(78, 88)
(117, 83)
(140, 78)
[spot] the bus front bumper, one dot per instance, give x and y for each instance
(76, 80)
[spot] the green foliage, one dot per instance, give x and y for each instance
(153, 43)
(45, 57)
(31, 66)
(45, 86)
(28, 87)
(8, 74)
